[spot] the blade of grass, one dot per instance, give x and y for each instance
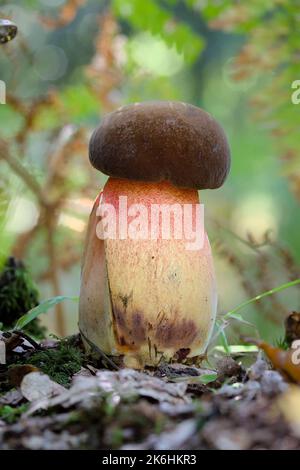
(224, 341)
(239, 318)
(261, 296)
(207, 378)
(43, 307)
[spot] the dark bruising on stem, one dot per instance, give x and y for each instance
(132, 330)
(129, 331)
(176, 333)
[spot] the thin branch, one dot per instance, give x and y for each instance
(50, 224)
(22, 172)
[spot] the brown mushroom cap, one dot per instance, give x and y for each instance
(162, 141)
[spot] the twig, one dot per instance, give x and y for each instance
(22, 172)
(50, 224)
(99, 351)
(28, 338)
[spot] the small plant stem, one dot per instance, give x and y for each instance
(260, 296)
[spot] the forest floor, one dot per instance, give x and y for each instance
(53, 397)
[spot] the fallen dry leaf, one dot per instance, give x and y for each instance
(12, 398)
(123, 384)
(17, 372)
(280, 359)
(131, 382)
(36, 386)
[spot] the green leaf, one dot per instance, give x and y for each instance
(149, 16)
(43, 307)
(238, 349)
(211, 10)
(208, 378)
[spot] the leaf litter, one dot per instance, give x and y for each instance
(176, 406)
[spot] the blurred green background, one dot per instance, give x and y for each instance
(73, 61)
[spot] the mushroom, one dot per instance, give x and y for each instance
(150, 299)
(8, 31)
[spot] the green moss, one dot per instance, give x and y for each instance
(10, 414)
(18, 294)
(60, 363)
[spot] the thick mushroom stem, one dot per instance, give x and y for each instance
(145, 294)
